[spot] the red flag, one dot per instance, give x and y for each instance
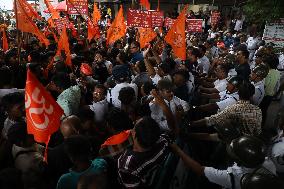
(26, 24)
(93, 28)
(5, 44)
(63, 44)
(117, 28)
(145, 3)
(53, 12)
(146, 35)
(42, 112)
(30, 11)
(176, 35)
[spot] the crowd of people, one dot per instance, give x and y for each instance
(125, 108)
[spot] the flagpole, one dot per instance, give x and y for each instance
(18, 32)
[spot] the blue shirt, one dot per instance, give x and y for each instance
(70, 180)
(138, 56)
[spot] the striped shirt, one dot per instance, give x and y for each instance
(138, 169)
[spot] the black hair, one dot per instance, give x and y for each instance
(100, 86)
(62, 80)
(85, 114)
(78, 148)
(126, 95)
(101, 52)
(196, 52)
(224, 67)
(246, 90)
(202, 48)
(122, 56)
(9, 100)
(245, 53)
(5, 76)
(147, 87)
(141, 65)
(35, 56)
(17, 133)
(271, 60)
(147, 132)
(118, 120)
(183, 73)
(136, 43)
(165, 84)
(165, 67)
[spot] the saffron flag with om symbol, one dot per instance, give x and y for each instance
(117, 28)
(146, 35)
(42, 111)
(176, 35)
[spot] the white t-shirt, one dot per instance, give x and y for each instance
(158, 115)
(227, 99)
(277, 154)
(252, 43)
(220, 85)
(204, 64)
(157, 78)
(112, 95)
(222, 177)
(259, 92)
(238, 25)
(100, 109)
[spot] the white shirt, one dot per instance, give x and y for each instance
(252, 43)
(238, 25)
(190, 83)
(8, 123)
(112, 95)
(158, 115)
(222, 177)
(214, 51)
(220, 85)
(227, 99)
(100, 109)
(204, 64)
(232, 72)
(259, 92)
(157, 78)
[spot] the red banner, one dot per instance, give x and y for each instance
(77, 7)
(157, 18)
(215, 16)
(145, 19)
(194, 25)
(169, 22)
(61, 22)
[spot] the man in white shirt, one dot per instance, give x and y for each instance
(203, 62)
(257, 77)
(252, 45)
(248, 153)
(175, 104)
(100, 104)
(121, 77)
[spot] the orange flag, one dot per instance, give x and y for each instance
(42, 112)
(176, 35)
(145, 3)
(30, 11)
(63, 44)
(52, 11)
(117, 28)
(93, 28)
(25, 23)
(146, 35)
(5, 44)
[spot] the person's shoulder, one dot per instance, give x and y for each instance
(99, 162)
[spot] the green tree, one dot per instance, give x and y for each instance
(260, 11)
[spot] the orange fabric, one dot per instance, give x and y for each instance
(63, 44)
(86, 69)
(117, 139)
(117, 28)
(176, 35)
(145, 3)
(25, 24)
(52, 11)
(93, 28)
(42, 112)
(5, 44)
(30, 11)
(145, 36)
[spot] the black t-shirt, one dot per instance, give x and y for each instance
(243, 71)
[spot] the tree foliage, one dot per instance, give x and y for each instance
(260, 11)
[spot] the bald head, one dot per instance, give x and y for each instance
(71, 125)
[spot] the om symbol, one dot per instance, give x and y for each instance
(178, 40)
(38, 110)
